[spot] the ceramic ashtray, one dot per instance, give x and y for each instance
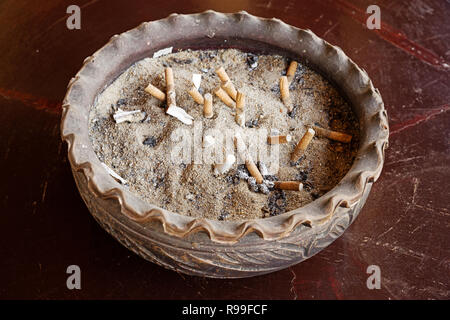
(223, 145)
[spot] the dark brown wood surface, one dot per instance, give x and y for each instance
(404, 227)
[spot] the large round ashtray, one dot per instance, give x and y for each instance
(212, 248)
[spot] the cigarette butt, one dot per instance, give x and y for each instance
(196, 80)
(223, 76)
(279, 139)
(240, 100)
(222, 95)
(230, 89)
(221, 168)
(284, 90)
(169, 76)
(240, 117)
(240, 113)
(227, 85)
(208, 141)
(240, 145)
(170, 88)
(154, 91)
(333, 135)
(288, 185)
(180, 114)
(249, 163)
(207, 106)
(302, 144)
(290, 74)
(196, 95)
(254, 171)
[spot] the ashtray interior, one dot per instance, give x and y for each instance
(139, 151)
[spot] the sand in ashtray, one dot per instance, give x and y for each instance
(140, 151)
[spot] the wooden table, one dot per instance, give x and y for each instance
(404, 227)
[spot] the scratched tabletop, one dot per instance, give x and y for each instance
(403, 228)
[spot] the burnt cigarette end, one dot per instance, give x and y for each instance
(222, 74)
(333, 135)
(222, 95)
(196, 95)
(278, 139)
(155, 92)
(302, 145)
(230, 89)
(288, 185)
(207, 106)
(240, 113)
(290, 73)
(254, 171)
(170, 88)
(284, 91)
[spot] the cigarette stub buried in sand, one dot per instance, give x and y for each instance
(170, 88)
(240, 113)
(302, 145)
(290, 73)
(207, 106)
(222, 95)
(240, 145)
(249, 163)
(284, 90)
(229, 88)
(129, 116)
(254, 171)
(227, 85)
(196, 95)
(155, 92)
(223, 76)
(277, 139)
(333, 135)
(288, 185)
(172, 108)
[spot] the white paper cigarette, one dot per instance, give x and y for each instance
(208, 141)
(221, 168)
(180, 114)
(113, 174)
(162, 52)
(196, 80)
(122, 116)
